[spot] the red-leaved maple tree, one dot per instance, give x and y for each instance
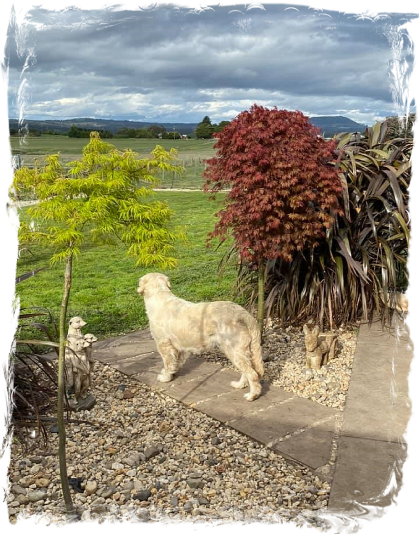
(283, 188)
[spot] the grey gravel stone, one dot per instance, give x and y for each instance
(18, 490)
(106, 493)
(195, 483)
(132, 460)
(37, 495)
(91, 487)
(99, 509)
(142, 495)
(152, 451)
(143, 515)
(188, 506)
(98, 500)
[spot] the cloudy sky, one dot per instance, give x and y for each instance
(174, 64)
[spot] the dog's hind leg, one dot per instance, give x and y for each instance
(170, 361)
(242, 361)
(254, 384)
(240, 384)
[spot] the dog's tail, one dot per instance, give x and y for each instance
(255, 346)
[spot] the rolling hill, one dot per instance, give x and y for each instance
(329, 125)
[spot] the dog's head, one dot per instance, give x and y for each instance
(77, 323)
(152, 282)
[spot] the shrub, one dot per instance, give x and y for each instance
(363, 255)
(283, 190)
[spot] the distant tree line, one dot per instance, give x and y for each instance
(206, 129)
(151, 132)
(75, 131)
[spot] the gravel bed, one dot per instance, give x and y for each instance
(149, 457)
(285, 365)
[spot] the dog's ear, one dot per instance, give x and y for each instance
(141, 284)
(168, 283)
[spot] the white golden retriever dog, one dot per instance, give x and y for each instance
(180, 327)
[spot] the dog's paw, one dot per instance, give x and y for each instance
(163, 377)
(239, 384)
(250, 396)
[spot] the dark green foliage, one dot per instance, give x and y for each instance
(152, 132)
(220, 127)
(84, 133)
(363, 255)
(205, 129)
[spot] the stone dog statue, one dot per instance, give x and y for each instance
(320, 348)
(79, 361)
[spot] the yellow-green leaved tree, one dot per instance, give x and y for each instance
(105, 194)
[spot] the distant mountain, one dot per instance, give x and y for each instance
(62, 126)
(329, 125)
(337, 124)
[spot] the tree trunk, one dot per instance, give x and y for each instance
(61, 384)
(261, 296)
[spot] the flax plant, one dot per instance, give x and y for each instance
(362, 260)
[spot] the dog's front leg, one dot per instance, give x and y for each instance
(170, 361)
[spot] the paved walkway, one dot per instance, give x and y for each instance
(372, 446)
(277, 418)
(369, 445)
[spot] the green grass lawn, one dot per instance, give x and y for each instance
(105, 279)
(191, 154)
(71, 148)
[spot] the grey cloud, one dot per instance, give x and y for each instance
(178, 57)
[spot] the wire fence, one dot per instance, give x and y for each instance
(191, 178)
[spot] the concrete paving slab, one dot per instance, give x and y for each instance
(121, 351)
(192, 391)
(376, 333)
(378, 404)
(193, 368)
(234, 406)
(312, 447)
(138, 363)
(363, 473)
(126, 339)
(278, 421)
